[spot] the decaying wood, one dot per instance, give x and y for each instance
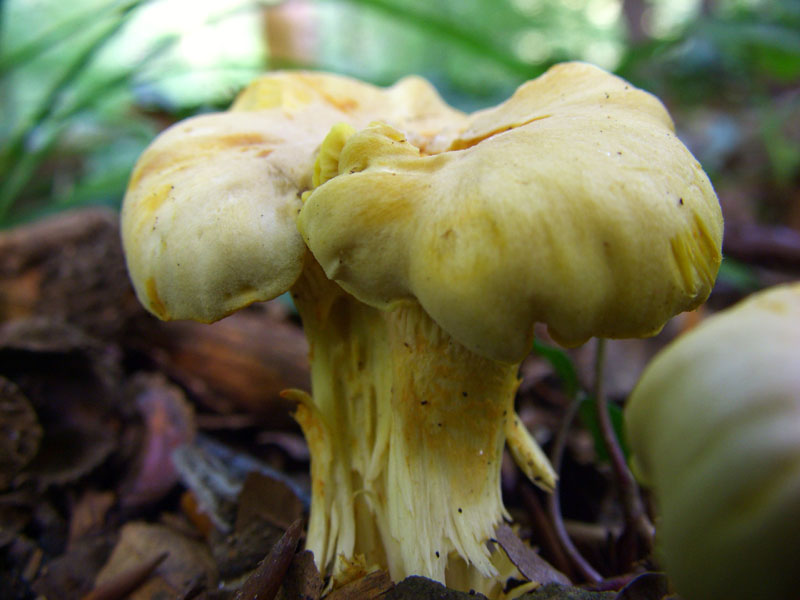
(239, 364)
(70, 267)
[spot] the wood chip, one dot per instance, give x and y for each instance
(266, 580)
(373, 585)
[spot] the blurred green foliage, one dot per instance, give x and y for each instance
(86, 84)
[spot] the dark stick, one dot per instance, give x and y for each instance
(632, 506)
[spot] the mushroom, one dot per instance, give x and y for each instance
(436, 241)
(714, 427)
(572, 204)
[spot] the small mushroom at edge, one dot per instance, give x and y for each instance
(714, 429)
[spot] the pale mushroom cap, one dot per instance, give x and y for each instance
(714, 427)
(208, 221)
(573, 204)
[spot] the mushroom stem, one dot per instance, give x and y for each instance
(406, 431)
(347, 423)
(449, 409)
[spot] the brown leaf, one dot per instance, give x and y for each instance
(528, 561)
(123, 584)
(188, 561)
(372, 585)
(266, 580)
(215, 473)
(267, 499)
(89, 514)
(72, 574)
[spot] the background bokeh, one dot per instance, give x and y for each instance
(86, 84)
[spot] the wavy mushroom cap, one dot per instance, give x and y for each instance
(714, 426)
(208, 221)
(573, 204)
(412, 104)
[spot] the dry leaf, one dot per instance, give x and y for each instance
(89, 514)
(526, 559)
(169, 423)
(268, 499)
(187, 561)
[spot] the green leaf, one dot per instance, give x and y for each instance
(588, 414)
(738, 275)
(562, 364)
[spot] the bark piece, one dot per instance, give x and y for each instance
(69, 267)
(237, 365)
(370, 587)
(73, 384)
(265, 582)
(302, 581)
(20, 432)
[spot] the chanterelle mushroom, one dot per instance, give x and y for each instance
(714, 425)
(437, 241)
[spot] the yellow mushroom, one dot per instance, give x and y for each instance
(714, 426)
(437, 240)
(572, 204)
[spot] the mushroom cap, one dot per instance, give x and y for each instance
(208, 220)
(573, 204)
(714, 427)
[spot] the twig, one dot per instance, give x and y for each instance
(546, 534)
(554, 503)
(632, 506)
(770, 246)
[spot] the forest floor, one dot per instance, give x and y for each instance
(150, 460)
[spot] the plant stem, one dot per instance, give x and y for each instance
(554, 503)
(633, 509)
